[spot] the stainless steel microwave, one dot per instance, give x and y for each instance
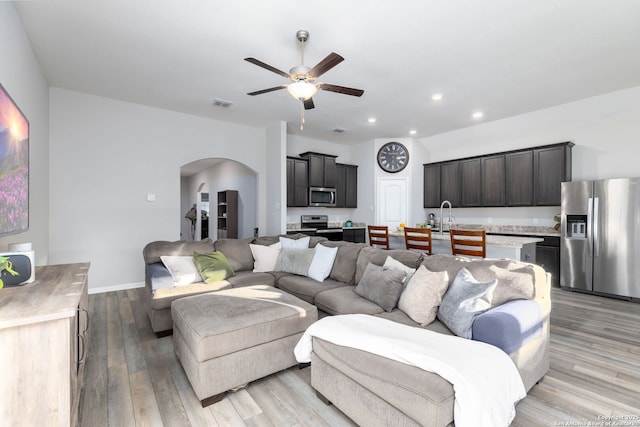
(321, 196)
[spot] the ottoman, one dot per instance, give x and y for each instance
(228, 338)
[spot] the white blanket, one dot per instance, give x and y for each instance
(485, 380)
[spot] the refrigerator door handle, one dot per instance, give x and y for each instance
(590, 227)
(594, 225)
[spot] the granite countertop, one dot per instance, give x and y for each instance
(511, 230)
(502, 241)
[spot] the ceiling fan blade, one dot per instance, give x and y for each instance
(271, 89)
(325, 65)
(308, 104)
(341, 89)
(267, 66)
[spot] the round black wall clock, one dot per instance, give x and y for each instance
(393, 157)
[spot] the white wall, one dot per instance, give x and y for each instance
(605, 129)
(275, 194)
(106, 156)
(22, 78)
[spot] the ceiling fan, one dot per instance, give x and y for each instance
(304, 84)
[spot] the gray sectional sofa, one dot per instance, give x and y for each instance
(386, 391)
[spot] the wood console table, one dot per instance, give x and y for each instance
(43, 345)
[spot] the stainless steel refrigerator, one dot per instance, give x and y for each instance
(600, 237)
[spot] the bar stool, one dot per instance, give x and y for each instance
(418, 238)
(469, 242)
(378, 236)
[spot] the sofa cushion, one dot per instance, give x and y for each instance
(212, 266)
(423, 294)
(249, 278)
(509, 326)
(306, 288)
(381, 285)
(237, 252)
(515, 278)
(378, 256)
(296, 261)
(162, 298)
(265, 257)
(158, 277)
(182, 269)
(400, 316)
(465, 300)
(344, 266)
(344, 300)
(322, 262)
(154, 250)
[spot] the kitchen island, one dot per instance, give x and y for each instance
(510, 247)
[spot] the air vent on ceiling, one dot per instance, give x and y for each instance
(218, 102)
(339, 130)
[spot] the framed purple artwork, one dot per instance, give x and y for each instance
(14, 167)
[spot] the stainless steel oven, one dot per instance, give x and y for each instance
(320, 225)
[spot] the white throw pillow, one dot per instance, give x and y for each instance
(423, 294)
(182, 269)
(322, 262)
(301, 243)
(397, 265)
(265, 257)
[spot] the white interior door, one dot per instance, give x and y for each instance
(392, 202)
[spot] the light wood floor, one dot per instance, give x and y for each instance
(133, 378)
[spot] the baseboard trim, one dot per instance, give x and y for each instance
(113, 288)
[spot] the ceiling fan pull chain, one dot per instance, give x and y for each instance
(301, 116)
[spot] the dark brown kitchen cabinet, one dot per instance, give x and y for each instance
(470, 183)
(297, 182)
(322, 169)
(527, 177)
(347, 186)
(493, 181)
(450, 182)
(520, 178)
(548, 257)
(355, 235)
(551, 166)
(431, 185)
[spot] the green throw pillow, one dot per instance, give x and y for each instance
(212, 266)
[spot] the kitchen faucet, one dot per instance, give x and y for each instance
(442, 218)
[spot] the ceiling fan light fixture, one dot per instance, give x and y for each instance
(302, 90)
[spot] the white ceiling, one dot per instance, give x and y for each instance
(503, 57)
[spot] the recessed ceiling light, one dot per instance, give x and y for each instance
(436, 96)
(477, 115)
(413, 132)
(371, 120)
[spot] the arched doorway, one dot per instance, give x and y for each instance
(210, 176)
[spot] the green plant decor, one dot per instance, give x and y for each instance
(6, 265)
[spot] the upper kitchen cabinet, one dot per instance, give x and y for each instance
(297, 182)
(529, 177)
(322, 169)
(519, 178)
(494, 181)
(450, 182)
(347, 188)
(551, 166)
(471, 183)
(431, 185)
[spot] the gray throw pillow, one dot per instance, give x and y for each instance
(237, 252)
(381, 286)
(465, 300)
(296, 261)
